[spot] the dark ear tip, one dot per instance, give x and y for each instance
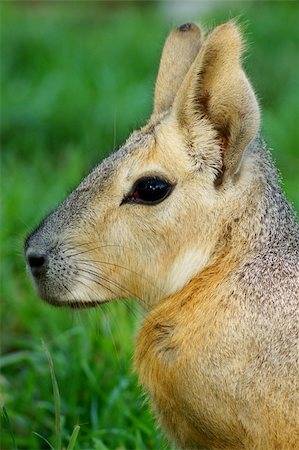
(185, 27)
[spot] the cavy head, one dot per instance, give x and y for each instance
(147, 219)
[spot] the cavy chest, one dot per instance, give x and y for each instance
(176, 355)
(158, 356)
(158, 360)
(165, 360)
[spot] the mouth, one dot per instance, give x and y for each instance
(75, 304)
(59, 296)
(61, 286)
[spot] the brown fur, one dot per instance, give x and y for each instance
(188, 357)
(180, 49)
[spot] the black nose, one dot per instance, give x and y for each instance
(37, 262)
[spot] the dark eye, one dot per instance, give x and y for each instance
(149, 190)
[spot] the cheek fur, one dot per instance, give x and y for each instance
(184, 267)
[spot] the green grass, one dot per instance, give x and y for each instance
(75, 81)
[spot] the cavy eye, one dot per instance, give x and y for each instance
(149, 191)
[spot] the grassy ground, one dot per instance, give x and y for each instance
(75, 81)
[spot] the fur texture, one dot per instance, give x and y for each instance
(215, 265)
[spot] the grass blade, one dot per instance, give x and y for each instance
(73, 437)
(44, 439)
(8, 424)
(57, 403)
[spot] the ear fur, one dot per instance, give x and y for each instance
(216, 88)
(179, 52)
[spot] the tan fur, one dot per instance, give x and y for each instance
(180, 49)
(190, 410)
(215, 264)
(223, 94)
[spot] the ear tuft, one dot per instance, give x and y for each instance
(180, 49)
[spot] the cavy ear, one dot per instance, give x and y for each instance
(179, 52)
(216, 89)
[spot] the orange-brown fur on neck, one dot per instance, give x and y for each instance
(191, 357)
(165, 348)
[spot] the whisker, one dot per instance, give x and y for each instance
(92, 291)
(90, 263)
(99, 247)
(100, 284)
(132, 310)
(121, 366)
(130, 307)
(85, 251)
(94, 297)
(114, 130)
(113, 282)
(66, 287)
(74, 246)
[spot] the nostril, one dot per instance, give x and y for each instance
(37, 262)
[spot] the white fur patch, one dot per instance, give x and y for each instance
(184, 267)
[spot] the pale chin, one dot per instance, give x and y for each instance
(75, 300)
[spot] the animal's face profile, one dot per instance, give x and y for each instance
(149, 217)
(123, 231)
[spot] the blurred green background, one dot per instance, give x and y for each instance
(77, 78)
